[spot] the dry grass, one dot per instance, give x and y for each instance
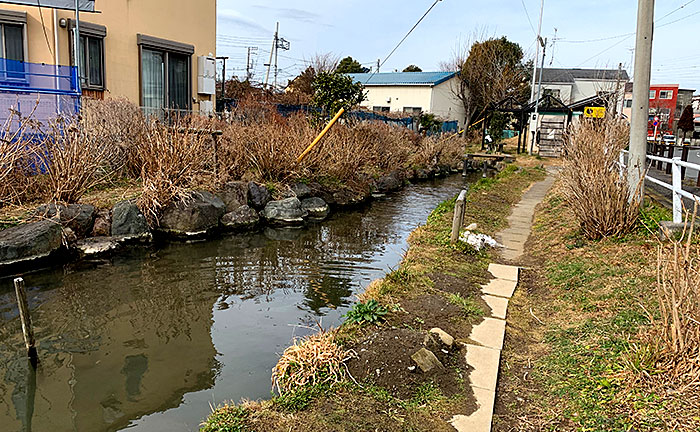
(15, 160)
(594, 187)
(175, 159)
(74, 159)
(314, 360)
(678, 293)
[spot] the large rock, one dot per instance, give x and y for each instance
(241, 218)
(78, 217)
(234, 195)
(301, 190)
(28, 241)
(92, 247)
(128, 221)
(426, 360)
(285, 212)
(194, 216)
(103, 224)
(390, 183)
(258, 195)
(315, 207)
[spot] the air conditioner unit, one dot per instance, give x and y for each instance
(206, 75)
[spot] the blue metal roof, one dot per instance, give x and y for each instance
(402, 78)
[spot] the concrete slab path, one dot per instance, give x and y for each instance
(486, 338)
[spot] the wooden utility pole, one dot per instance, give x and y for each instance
(636, 166)
(617, 91)
(536, 127)
(27, 330)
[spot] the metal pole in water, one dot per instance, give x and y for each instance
(27, 329)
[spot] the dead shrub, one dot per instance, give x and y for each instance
(73, 158)
(313, 360)
(15, 157)
(593, 184)
(678, 295)
(121, 126)
(175, 159)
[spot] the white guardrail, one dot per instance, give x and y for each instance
(677, 185)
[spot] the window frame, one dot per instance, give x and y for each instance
(668, 93)
(166, 47)
(381, 109)
(88, 31)
(413, 110)
(15, 18)
(652, 94)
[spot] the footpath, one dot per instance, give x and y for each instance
(486, 338)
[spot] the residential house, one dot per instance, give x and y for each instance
(160, 54)
(666, 101)
(413, 93)
(573, 85)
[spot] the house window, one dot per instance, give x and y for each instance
(552, 92)
(652, 94)
(628, 103)
(92, 55)
(12, 43)
(413, 110)
(380, 109)
(165, 74)
(666, 94)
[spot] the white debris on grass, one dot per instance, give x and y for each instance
(478, 241)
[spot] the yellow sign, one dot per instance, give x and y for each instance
(594, 112)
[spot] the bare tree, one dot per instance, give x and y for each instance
(489, 70)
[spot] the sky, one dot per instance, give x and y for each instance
(585, 34)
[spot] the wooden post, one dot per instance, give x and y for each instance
(684, 158)
(671, 152)
(27, 330)
(458, 218)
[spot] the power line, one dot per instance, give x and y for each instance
(404, 38)
(528, 17)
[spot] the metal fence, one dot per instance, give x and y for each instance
(41, 90)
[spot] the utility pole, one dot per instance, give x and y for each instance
(247, 66)
(536, 127)
(223, 77)
(272, 51)
(378, 62)
(537, 53)
(617, 91)
(636, 166)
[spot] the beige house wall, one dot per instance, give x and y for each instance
(184, 21)
(439, 100)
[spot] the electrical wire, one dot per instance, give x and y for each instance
(402, 40)
(528, 18)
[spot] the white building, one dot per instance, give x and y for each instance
(573, 85)
(413, 93)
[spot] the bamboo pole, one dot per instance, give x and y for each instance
(321, 135)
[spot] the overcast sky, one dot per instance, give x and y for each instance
(591, 34)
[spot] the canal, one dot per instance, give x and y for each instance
(151, 339)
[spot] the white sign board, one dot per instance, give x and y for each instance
(85, 5)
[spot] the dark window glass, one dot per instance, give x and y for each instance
(95, 73)
(14, 42)
(178, 81)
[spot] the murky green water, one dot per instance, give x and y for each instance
(148, 341)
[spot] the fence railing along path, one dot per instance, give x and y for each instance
(677, 166)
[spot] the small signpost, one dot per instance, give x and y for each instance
(594, 112)
(656, 126)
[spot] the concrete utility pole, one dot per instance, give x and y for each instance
(248, 65)
(537, 54)
(223, 76)
(272, 51)
(536, 127)
(378, 62)
(636, 166)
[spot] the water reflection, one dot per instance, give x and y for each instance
(151, 339)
